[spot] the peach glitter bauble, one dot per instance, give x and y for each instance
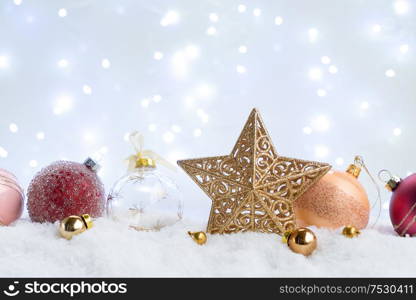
(337, 200)
(11, 198)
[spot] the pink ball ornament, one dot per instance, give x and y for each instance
(11, 198)
(63, 189)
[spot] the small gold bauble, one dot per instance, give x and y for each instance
(73, 225)
(303, 241)
(350, 231)
(199, 237)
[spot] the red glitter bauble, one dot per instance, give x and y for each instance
(403, 206)
(65, 188)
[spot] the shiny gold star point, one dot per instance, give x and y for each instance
(253, 188)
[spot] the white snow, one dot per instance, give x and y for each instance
(111, 250)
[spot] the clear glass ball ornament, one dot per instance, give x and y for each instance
(145, 199)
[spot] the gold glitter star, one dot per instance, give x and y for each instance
(253, 188)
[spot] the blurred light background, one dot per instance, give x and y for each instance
(332, 79)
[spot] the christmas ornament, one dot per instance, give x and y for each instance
(144, 198)
(199, 237)
(11, 198)
(74, 225)
(338, 199)
(66, 188)
(402, 203)
(350, 231)
(301, 240)
(253, 188)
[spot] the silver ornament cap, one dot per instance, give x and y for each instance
(92, 164)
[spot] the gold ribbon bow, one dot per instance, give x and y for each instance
(144, 158)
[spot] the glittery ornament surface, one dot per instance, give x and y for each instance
(338, 199)
(63, 189)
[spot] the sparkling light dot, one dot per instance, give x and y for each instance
(390, 73)
(4, 62)
(364, 105)
(386, 205)
(170, 18)
(152, 127)
(33, 163)
(3, 152)
(62, 12)
(157, 98)
(120, 10)
(339, 161)
(145, 103)
(213, 17)
(192, 51)
(176, 128)
(315, 74)
(257, 12)
(397, 131)
(376, 28)
(158, 55)
(40, 135)
(404, 48)
(321, 123)
(241, 8)
(89, 137)
(87, 89)
(401, 7)
(321, 92)
(62, 104)
(321, 151)
(325, 60)
(63, 63)
(168, 137)
(103, 150)
(105, 63)
(313, 34)
(204, 91)
(17, 2)
(278, 20)
(13, 128)
(202, 115)
(307, 130)
(241, 69)
(211, 30)
(197, 132)
(333, 69)
(242, 49)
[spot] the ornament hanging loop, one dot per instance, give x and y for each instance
(382, 175)
(391, 182)
(359, 162)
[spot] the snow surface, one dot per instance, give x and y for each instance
(111, 250)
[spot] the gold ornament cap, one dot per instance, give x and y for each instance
(354, 170)
(393, 183)
(145, 162)
(92, 164)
